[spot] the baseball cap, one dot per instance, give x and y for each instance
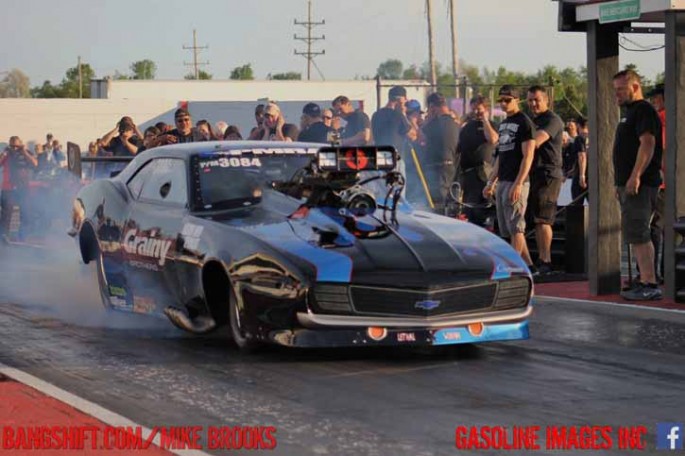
(413, 106)
(436, 98)
(312, 110)
(397, 92)
(656, 90)
(508, 90)
(181, 112)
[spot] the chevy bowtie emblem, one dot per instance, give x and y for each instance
(427, 305)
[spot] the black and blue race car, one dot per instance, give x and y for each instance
(295, 244)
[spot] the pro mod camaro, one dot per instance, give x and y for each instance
(295, 244)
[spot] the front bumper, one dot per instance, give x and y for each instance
(359, 337)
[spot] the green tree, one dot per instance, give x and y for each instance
(390, 69)
(201, 75)
(143, 69)
(412, 72)
(47, 90)
(15, 85)
(289, 76)
(70, 86)
(242, 72)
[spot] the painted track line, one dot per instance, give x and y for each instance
(609, 303)
(90, 408)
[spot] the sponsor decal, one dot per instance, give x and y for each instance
(428, 304)
(232, 162)
(448, 335)
(406, 337)
(143, 265)
(191, 235)
(356, 159)
(117, 291)
(147, 246)
(118, 302)
(143, 305)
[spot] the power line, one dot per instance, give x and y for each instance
(309, 40)
(196, 50)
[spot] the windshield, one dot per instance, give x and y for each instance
(236, 178)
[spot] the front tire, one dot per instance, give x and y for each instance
(241, 338)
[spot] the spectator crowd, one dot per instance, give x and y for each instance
(510, 171)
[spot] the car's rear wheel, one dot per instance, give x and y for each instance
(241, 338)
(102, 280)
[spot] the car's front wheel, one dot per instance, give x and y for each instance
(241, 338)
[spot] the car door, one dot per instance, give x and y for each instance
(151, 233)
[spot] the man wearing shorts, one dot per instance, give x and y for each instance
(637, 154)
(513, 159)
(546, 175)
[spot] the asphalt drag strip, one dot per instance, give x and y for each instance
(586, 364)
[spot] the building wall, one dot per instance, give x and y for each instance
(147, 102)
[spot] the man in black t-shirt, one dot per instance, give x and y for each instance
(438, 162)
(546, 175)
(357, 131)
(637, 154)
(128, 139)
(313, 127)
(477, 140)
(513, 159)
(184, 131)
(390, 125)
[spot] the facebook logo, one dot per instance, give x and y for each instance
(669, 436)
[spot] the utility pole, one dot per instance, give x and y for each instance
(196, 50)
(455, 48)
(80, 78)
(431, 44)
(309, 39)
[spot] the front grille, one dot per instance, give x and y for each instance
(512, 293)
(388, 301)
(331, 298)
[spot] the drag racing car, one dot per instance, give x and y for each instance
(295, 244)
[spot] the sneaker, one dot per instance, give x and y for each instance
(643, 292)
(533, 270)
(545, 268)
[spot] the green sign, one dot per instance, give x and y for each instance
(621, 10)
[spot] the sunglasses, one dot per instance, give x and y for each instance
(269, 116)
(328, 117)
(183, 119)
(505, 100)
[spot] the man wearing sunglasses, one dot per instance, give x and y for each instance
(513, 159)
(17, 164)
(183, 133)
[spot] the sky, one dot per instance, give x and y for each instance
(44, 38)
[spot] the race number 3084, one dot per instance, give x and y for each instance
(236, 162)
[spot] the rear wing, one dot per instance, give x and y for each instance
(74, 159)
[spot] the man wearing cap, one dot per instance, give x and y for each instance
(357, 131)
(513, 159)
(127, 140)
(184, 131)
(637, 161)
(389, 125)
(546, 175)
(477, 140)
(438, 161)
(313, 129)
(272, 128)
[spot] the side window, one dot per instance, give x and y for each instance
(135, 184)
(167, 183)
